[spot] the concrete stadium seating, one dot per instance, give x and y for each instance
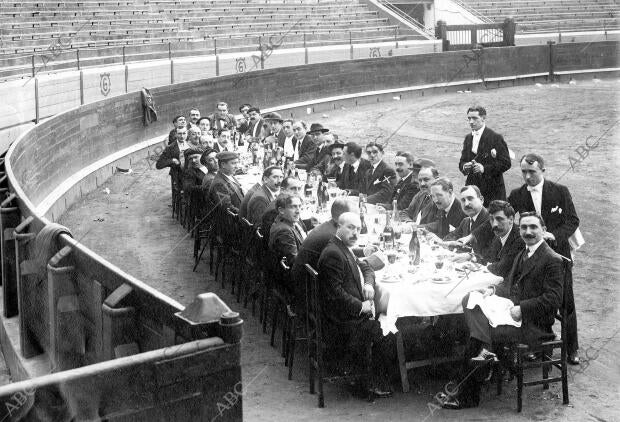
(551, 15)
(31, 26)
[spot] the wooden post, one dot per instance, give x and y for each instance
(36, 100)
(33, 71)
(510, 27)
(551, 45)
(9, 219)
(124, 55)
(77, 55)
(441, 33)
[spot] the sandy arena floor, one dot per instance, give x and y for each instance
(132, 227)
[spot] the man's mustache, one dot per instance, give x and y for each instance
(529, 236)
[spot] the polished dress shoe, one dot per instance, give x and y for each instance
(485, 356)
(573, 358)
(451, 402)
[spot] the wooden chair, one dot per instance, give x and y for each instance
(545, 349)
(318, 353)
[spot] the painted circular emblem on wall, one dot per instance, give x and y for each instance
(375, 52)
(105, 84)
(240, 65)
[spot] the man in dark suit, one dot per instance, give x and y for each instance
(256, 122)
(507, 243)
(476, 215)
(171, 156)
(209, 158)
(447, 214)
(322, 139)
(275, 121)
(272, 179)
(534, 285)
(243, 122)
(407, 185)
(354, 170)
(332, 164)
(485, 157)
(292, 186)
(225, 188)
(555, 205)
(316, 241)
(346, 285)
(221, 118)
(305, 148)
(178, 121)
(193, 176)
(422, 203)
(380, 178)
(243, 208)
(287, 233)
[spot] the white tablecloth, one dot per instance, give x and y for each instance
(427, 291)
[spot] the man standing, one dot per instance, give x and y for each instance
(272, 179)
(407, 185)
(172, 156)
(256, 122)
(534, 285)
(346, 285)
(485, 157)
(221, 118)
(194, 116)
(178, 122)
(354, 171)
(380, 178)
(422, 203)
(225, 188)
(553, 202)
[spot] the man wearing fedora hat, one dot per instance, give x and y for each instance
(274, 120)
(322, 139)
(332, 164)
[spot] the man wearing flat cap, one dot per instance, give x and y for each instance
(225, 188)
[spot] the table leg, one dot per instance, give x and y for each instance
(402, 363)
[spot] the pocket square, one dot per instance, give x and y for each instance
(556, 209)
(493, 153)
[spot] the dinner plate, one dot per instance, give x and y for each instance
(441, 280)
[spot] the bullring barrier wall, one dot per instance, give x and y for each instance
(52, 165)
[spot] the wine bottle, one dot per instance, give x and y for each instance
(388, 230)
(362, 203)
(319, 194)
(414, 248)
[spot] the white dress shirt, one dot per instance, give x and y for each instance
(536, 192)
(532, 249)
(289, 149)
(476, 134)
(504, 238)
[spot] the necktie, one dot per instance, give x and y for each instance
(471, 222)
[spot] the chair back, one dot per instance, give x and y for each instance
(247, 241)
(313, 312)
(561, 316)
(232, 230)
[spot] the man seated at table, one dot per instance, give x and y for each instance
(422, 204)
(290, 185)
(354, 171)
(534, 285)
(272, 179)
(346, 285)
(209, 159)
(476, 215)
(380, 178)
(446, 214)
(287, 234)
(407, 185)
(243, 208)
(332, 165)
(316, 241)
(225, 190)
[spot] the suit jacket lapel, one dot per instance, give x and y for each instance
(546, 201)
(353, 264)
(530, 263)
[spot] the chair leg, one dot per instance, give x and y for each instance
(520, 379)
(564, 374)
(291, 349)
(545, 366)
(274, 323)
(402, 363)
(285, 329)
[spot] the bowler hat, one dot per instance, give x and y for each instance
(273, 116)
(317, 127)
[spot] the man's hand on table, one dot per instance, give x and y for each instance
(460, 257)
(515, 313)
(366, 307)
(369, 292)
(465, 240)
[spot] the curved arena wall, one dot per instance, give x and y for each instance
(52, 165)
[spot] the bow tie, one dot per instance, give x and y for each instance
(476, 133)
(533, 189)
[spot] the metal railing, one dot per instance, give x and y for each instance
(404, 16)
(473, 11)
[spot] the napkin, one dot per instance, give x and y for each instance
(495, 308)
